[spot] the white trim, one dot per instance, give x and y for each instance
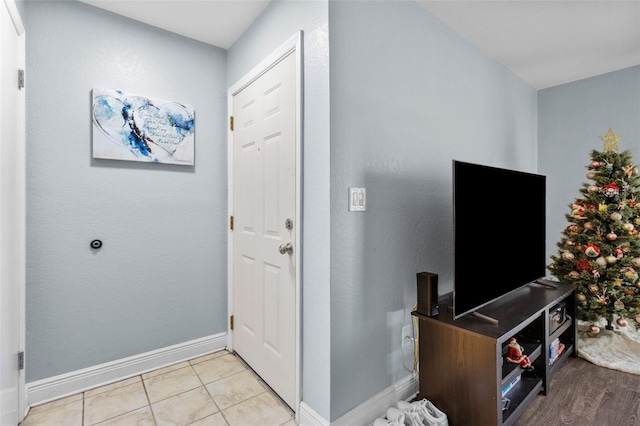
(368, 411)
(20, 32)
(229, 214)
(266, 64)
(45, 390)
(291, 46)
(299, 146)
(15, 16)
(23, 405)
(308, 417)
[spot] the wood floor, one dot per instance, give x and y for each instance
(584, 394)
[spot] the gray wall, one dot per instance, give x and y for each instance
(20, 5)
(408, 95)
(160, 278)
(571, 119)
(276, 25)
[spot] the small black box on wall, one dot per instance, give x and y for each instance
(427, 294)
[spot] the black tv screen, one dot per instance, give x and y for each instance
(499, 221)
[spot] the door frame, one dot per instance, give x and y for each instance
(293, 46)
(20, 30)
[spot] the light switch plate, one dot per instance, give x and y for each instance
(357, 199)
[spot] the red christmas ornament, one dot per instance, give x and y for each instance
(611, 189)
(622, 322)
(591, 250)
(583, 265)
(594, 329)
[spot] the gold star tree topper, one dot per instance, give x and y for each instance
(610, 140)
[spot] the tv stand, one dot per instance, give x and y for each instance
(463, 365)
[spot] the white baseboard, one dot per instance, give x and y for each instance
(365, 413)
(308, 417)
(45, 390)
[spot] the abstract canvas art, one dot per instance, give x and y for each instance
(136, 128)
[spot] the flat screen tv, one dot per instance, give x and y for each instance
(499, 227)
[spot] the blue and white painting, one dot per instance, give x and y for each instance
(136, 128)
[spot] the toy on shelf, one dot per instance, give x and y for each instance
(515, 355)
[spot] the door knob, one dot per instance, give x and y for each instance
(286, 248)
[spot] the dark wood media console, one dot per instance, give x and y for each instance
(462, 363)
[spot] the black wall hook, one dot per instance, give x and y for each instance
(96, 244)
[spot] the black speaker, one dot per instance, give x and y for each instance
(427, 294)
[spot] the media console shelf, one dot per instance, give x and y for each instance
(462, 364)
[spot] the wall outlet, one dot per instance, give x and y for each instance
(407, 336)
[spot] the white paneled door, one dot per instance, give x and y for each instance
(265, 226)
(11, 213)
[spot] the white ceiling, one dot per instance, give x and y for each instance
(544, 42)
(549, 42)
(215, 22)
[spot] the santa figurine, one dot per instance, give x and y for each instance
(516, 356)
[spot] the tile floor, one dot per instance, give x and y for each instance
(213, 390)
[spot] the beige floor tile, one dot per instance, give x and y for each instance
(178, 398)
(112, 386)
(209, 357)
(172, 383)
(218, 368)
(185, 408)
(139, 417)
(56, 403)
(69, 414)
(215, 420)
(114, 403)
(164, 370)
(263, 409)
(234, 389)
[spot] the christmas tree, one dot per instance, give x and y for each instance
(600, 248)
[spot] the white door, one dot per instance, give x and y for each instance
(265, 226)
(11, 212)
